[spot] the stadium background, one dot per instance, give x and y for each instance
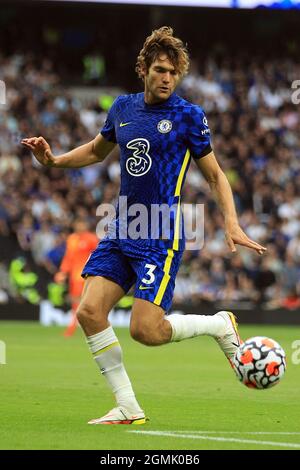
(61, 75)
(62, 64)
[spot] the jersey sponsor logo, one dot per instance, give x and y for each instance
(122, 124)
(164, 126)
(205, 123)
(205, 131)
(140, 162)
(145, 287)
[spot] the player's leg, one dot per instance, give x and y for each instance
(109, 277)
(151, 327)
(222, 326)
(99, 297)
(148, 324)
(155, 285)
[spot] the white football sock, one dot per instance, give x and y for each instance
(188, 326)
(107, 353)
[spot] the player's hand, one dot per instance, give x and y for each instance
(40, 149)
(236, 236)
(60, 277)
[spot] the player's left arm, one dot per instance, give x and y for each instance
(222, 192)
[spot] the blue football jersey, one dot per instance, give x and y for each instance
(156, 143)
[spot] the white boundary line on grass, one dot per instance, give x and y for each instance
(275, 433)
(217, 439)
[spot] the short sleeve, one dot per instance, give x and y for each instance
(108, 130)
(198, 134)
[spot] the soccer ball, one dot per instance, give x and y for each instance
(259, 362)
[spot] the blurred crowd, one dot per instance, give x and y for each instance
(255, 136)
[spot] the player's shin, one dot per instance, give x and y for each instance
(107, 353)
(189, 326)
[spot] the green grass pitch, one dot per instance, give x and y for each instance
(50, 387)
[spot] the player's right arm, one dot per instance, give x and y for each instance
(94, 151)
(201, 151)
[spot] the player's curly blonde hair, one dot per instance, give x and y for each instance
(162, 40)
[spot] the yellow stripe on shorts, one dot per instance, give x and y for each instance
(166, 277)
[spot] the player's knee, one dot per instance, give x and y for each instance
(139, 333)
(86, 313)
(143, 333)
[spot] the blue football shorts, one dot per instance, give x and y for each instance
(152, 270)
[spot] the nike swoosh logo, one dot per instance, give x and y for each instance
(144, 288)
(122, 124)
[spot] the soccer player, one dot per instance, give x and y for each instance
(79, 246)
(158, 133)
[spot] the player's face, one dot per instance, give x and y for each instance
(161, 80)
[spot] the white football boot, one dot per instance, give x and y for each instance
(120, 415)
(231, 340)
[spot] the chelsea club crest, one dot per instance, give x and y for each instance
(164, 126)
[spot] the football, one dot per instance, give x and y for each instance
(259, 362)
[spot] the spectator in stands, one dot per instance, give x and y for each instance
(256, 133)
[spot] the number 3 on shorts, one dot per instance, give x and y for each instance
(149, 273)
